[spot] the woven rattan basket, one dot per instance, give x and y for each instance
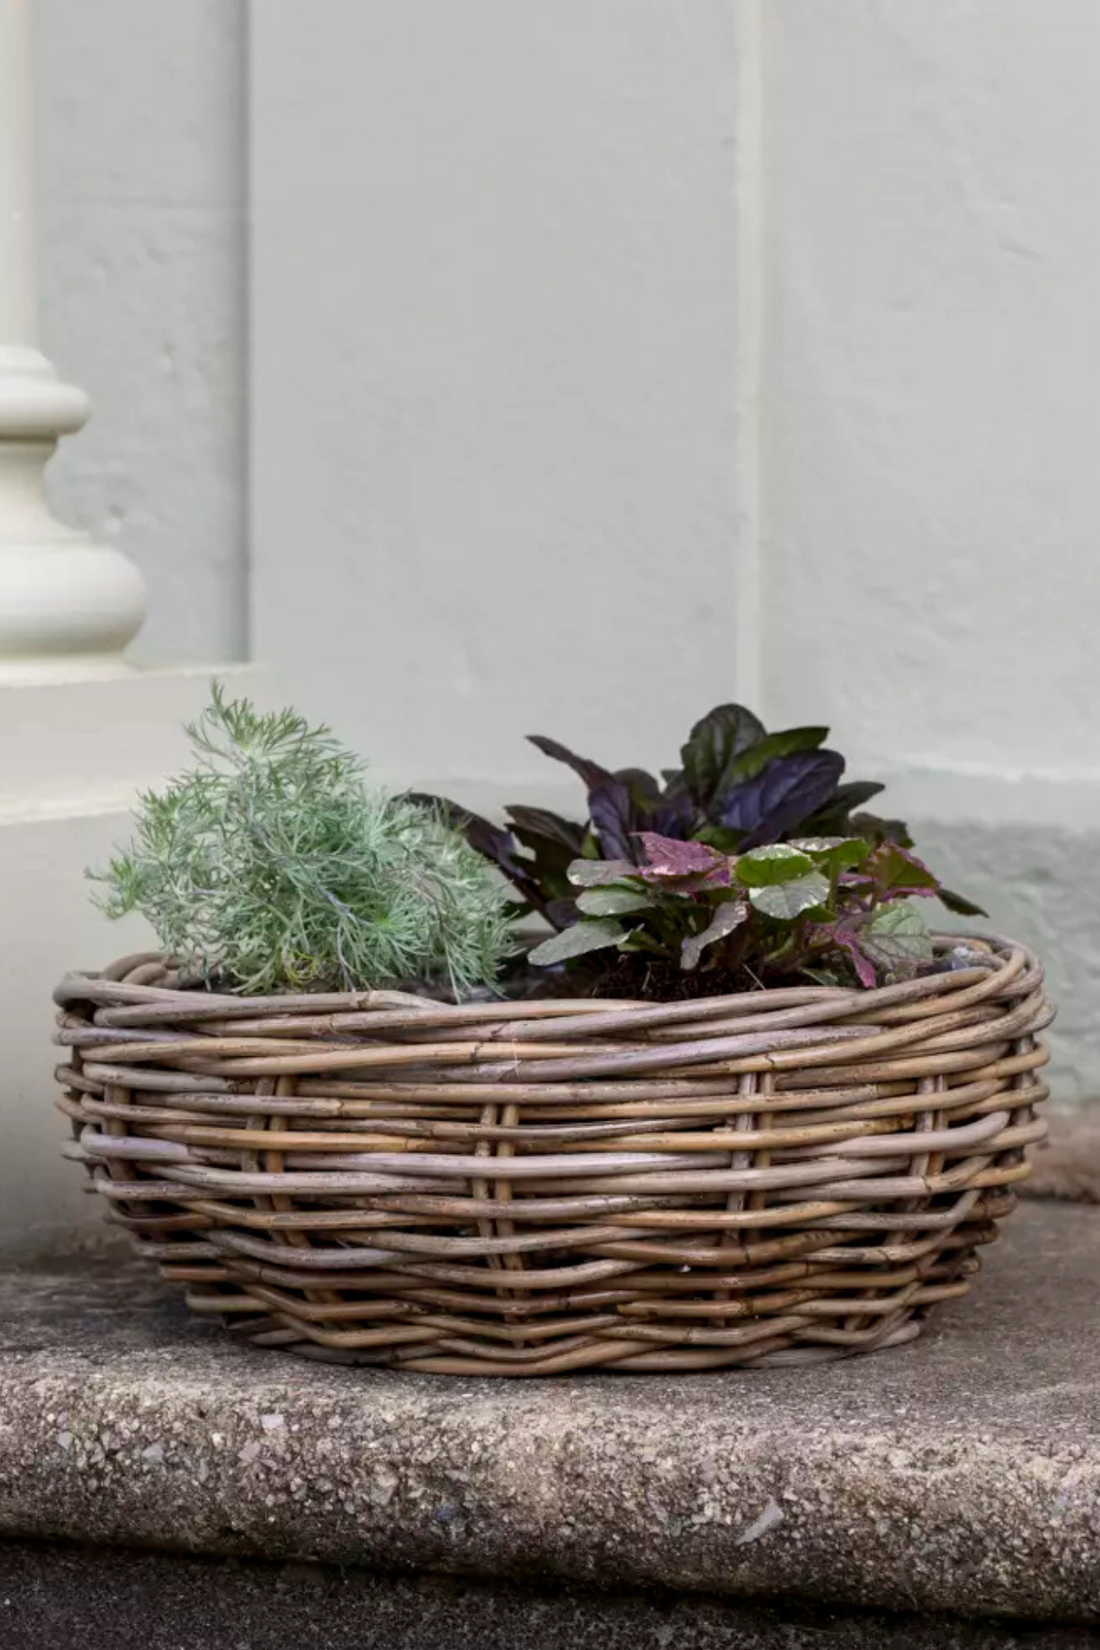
(526, 1188)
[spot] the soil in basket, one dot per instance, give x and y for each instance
(652, 980)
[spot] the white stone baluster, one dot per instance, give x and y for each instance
(68, 606)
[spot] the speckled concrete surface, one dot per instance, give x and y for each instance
(54, 1596)
(961, 1473)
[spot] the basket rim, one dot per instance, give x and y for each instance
(110, 985)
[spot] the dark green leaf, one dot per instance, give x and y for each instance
(593, 934)
(720, 736)
(717, 836)
(788, 743)
(834, 853)
(779, 862)
(787, 900)
(614, 901)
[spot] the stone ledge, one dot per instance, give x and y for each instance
(57, 1595)
(959, 1474)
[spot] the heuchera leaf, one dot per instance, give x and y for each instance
(668, 857)
(614, 901)
(781, 795)
(787, 900)
(715, 740)
(780, 862)
(896, 939)
(593, 934)
(727, 916)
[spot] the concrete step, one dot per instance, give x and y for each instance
(961, 1473)
(53, 1596)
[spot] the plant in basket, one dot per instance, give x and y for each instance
(736, 1105)
(746, 866)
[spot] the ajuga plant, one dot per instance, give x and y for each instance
(269, 867)
(751, 862)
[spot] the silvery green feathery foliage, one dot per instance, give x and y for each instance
(269, 867)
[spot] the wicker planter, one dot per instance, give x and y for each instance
(521, 1189)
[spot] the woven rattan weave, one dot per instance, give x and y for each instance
(526, 1188)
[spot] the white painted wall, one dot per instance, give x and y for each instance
(931, 416)
(495, 300)
(140, 109)
(932, 410)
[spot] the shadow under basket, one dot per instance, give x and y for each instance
(526, 1188)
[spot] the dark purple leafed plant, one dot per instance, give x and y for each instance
(751, 857)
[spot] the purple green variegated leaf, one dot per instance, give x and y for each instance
(714, 742)
(727, 917)
(666, 857)
(593, 934)
(845, 937)
(780, 796)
